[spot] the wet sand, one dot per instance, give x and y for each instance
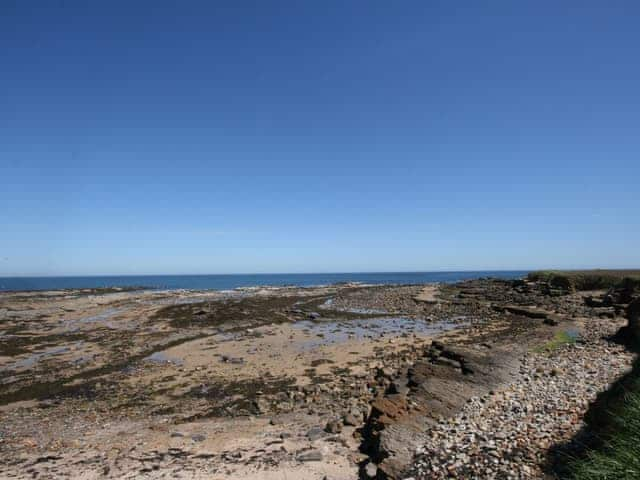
(119, 380)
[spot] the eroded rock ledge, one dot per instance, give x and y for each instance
(435, 387)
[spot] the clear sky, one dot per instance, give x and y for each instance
(270, 136)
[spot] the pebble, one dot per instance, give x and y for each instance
(371, 470)
(509, 434)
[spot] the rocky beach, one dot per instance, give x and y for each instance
(308, 240)
(484, 378)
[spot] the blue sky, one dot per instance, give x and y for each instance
(223, 137)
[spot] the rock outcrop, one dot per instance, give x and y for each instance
(435, 387)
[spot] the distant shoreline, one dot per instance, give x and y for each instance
(232, 281)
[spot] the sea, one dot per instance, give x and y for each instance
(231, 281)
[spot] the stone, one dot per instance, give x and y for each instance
(371, 470)
(333, 426)
(384, 372)
(315, 433)
(351, 420)
(310, 456)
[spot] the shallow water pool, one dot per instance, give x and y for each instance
(338, 331)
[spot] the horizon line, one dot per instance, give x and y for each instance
(314, 273)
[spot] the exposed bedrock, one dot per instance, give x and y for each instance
(549, 318)
(435, 387)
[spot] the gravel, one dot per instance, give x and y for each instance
(507, 434)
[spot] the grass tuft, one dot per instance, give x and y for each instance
(619, 455)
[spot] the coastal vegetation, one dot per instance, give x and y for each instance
(581, 280)
(614, 420)
(617, 455)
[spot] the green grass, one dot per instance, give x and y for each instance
(619, 455)
(559, 339)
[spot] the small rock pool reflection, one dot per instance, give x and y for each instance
(331, 332)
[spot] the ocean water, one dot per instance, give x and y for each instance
(226, 282)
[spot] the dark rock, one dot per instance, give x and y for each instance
(606, 301)
(625, 292)
(551, 320)
(398, 386)
(633, 315)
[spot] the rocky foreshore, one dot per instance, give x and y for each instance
(507, 433)
(471, 380)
